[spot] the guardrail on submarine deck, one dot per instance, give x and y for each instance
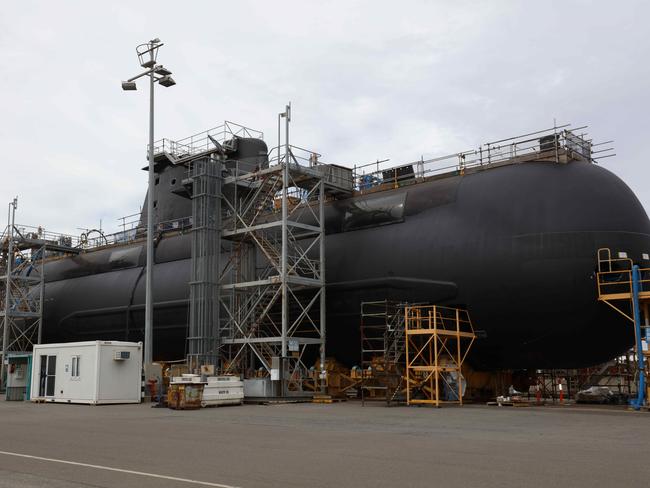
(554, 143)
(94, 238)
(558, 143)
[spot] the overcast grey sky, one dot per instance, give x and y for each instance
(367, 80)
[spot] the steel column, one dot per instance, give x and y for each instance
(323, 283)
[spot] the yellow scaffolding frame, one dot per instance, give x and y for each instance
(437, 342)
(614, 279)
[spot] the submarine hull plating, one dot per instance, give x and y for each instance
(516, 245)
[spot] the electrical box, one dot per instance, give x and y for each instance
(336, 176)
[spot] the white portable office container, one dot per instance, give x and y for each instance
(94, 372)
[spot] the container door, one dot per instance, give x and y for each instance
(42, 377)
(51, 373)
(47, 376)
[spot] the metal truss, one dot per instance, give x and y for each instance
(21, 291)
(21, 303)
(22, 283)
(382, 350)
(437, 342)
(624, 286)
(272, 289)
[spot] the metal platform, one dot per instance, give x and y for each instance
(623, 286)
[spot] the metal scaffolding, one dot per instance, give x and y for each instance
(261, 312)
(382, 350)
(22, 283)
(625, 287)
(437, 342)
(273, 286)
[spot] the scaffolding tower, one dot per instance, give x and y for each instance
(437, 342)
(260, 313)
(273, 286)
(22, 284)
(382, 350)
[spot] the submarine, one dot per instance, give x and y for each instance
(512, 239)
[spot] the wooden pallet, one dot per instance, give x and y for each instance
(326, 399)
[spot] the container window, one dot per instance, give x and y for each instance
(75, 366)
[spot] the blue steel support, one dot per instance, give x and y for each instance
(639, 402)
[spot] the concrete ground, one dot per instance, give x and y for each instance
(308, 445)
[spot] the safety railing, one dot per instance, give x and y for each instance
(557, 143)
(438, 318)
(438, 340)
(614, 276)
(297, 156)
(38, 233)
(203, 141)
(554, 144)
(95, 238)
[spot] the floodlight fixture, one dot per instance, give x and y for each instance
(166, 81)
(129, 85)
(162, 71)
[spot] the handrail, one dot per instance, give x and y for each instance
(612, 281)
(102, 240)
(492, 153)
(202, 141)
(554, 144)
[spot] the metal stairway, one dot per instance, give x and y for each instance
(394, 338)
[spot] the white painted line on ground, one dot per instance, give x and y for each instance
(118, 470)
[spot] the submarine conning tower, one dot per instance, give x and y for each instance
(244, 146)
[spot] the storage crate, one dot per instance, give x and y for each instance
(185, 396)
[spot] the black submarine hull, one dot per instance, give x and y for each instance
(516, 245)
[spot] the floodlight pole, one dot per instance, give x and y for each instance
(148, 301)
(166, 80)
